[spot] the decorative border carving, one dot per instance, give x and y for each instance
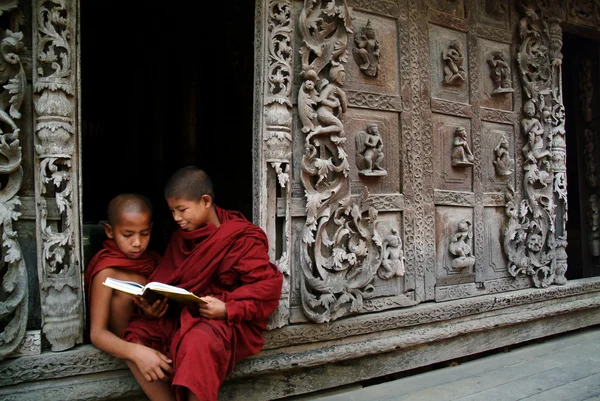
(453, 198)
(497, 116)
(57, 166)
(374, 101)
(31, 344)
(447, 20)
(15, 291)
(277, 132)
(468, 290)
(490, 33)
(494, 199)
(451, 108)
(381, 7)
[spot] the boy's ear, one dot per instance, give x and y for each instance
(207, 200)
(109, 231)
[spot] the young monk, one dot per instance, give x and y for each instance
(123, 257)
(222, 257)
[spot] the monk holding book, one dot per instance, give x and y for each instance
(123, 257)
(222, 257)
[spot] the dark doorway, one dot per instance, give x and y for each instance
(581, 85)
(163, 88)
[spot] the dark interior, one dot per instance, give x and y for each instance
(575, 48)
(163, 88)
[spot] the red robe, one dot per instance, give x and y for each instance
(111, 256)
(229, 262)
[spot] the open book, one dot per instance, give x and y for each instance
(153, 291)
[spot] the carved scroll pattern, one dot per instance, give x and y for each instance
(535, 236)
(341, 246)
(58, 244)
(278, 128)
(14, 303)
(278, 106)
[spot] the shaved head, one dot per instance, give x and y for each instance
(128, 203)
(189, 183)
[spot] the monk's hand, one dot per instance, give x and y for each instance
(214, 308)
(152, 364)
(155, 310)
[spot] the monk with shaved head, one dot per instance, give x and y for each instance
(124, 257)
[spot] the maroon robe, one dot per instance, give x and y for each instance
(111, 256)
(229, 262)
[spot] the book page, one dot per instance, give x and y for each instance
(129, 287)
(166, 288)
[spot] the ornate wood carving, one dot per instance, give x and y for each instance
(278, 134)
(341, 245)
(15, 293)
(57, 165)
(369, 152)
(535, 235)
(373, 101)
(367, 50)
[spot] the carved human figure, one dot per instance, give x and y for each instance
(500, 73)
(503, 163)
(461, 153)
(307, 100)
(332, 104)
(367, 50)
(534, 243)
(593, 213)
(534, 130)
(392, 263)
(454, 73)
(369, 152)
(460, 246)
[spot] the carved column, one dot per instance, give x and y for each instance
(56, 171)
(276, 144)
(14, 301)
(536, 236)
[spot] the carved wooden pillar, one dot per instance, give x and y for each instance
(14, 302)
(274, 148)
(55, 90)
(536, 236)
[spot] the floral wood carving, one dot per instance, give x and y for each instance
(341, 246)
(14, 303)
(278, 132)
(535, 236)
(367, 50)
(58, 244)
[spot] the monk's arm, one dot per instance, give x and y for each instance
(151, 363)
(100, 334)
(258, 296)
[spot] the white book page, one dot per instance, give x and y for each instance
(125, 286)
(166, 287)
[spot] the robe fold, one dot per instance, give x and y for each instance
(231, 263)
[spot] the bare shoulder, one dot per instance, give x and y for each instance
(119, 274)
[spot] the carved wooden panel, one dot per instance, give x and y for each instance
(494, 13)
(449, 67)
(454, 245)
(497, 76)
(498, 156)
(448, 145)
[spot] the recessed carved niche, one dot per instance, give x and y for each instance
(452, 153)
(449, 75)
